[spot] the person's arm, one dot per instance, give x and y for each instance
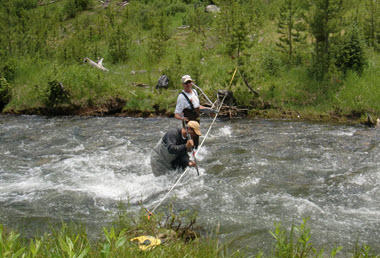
(207, 110)
(173, 147)
(180, 117)
(185, 161)
(204, 109)
(178, 113)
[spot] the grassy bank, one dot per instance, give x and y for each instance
(176, 233)
(115, 241)
(45, 44)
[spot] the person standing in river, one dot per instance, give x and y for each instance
(171, 151)
(188, 105)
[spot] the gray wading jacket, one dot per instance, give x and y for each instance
(169, 153)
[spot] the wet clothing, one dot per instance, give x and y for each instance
(169, 153)
(188, 105)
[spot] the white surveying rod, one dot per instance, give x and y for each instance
(209, 101)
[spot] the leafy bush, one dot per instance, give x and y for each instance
(56, 94)
(271, 63)
(25, 4)
(4, 93)
(72, 7)
(296, 243)
(118, 45)
(350, 55)
(197, 19)
(175, 8)
(8, 71)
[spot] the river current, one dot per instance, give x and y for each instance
(253, 173)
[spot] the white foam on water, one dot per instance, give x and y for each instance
(252, 181)
(23, 186)
(202, 153)
(28, 181)
(107, 176)
(301, 204)
(360, 179)
(343, 132)
(362, 212)
(133, 188)
(122, 173)
(15, 126)
(79, 147)
(225, 131)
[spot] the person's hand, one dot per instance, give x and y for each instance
(192, 163)
(185, 119)
(189, 145)
(208, 110)
(214, 111)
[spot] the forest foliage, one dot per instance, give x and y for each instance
(320, 55)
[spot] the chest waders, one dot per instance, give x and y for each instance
(193, 114)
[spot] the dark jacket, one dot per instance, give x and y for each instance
(169, 153)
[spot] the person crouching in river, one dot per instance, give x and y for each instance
(171, 151)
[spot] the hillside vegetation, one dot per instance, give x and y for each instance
(309, 58)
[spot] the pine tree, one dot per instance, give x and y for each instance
(323, 20)
(233, 27)
(118, 45)
(351, 54)
(4, 92)
(238, 42)
(372, 23)
(290, 28)
(158, 38)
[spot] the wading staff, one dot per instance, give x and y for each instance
(204, 94)
(192, 149)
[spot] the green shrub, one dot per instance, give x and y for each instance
(350, 55)
(271, 63)
(8, 71)
(56, 94)
(24, 4)
(118, 45)
(175, 8)
(5, 95)
(10, 244)
(296, 242)
(72, 7)
(197, 19)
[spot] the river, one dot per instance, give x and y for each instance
(253, 173)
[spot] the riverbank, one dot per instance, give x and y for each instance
(115, 109)
(107, 60)
(140, 236)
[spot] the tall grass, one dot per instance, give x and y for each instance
(71, 240)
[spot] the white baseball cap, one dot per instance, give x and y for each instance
(186, 78)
